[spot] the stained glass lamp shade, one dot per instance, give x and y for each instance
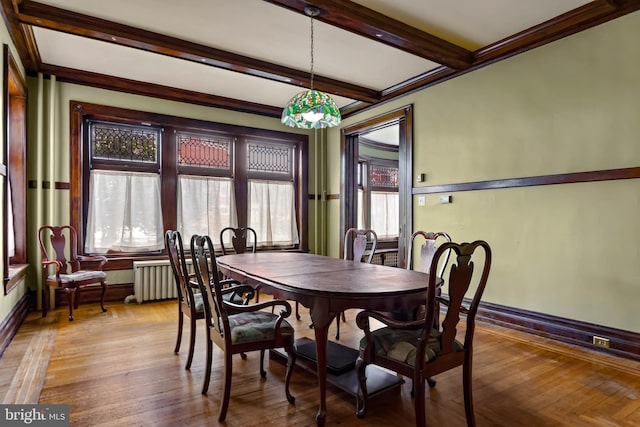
(311, 109)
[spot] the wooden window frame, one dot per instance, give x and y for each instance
(14, 168)
(80, 112)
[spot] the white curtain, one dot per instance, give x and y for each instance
(385, 214)
(272, 212)
(205, 206)
(125, 212)
(11, 238)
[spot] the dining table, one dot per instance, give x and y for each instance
(327, 286)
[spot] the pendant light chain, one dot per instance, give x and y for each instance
(311, 85)
(311, 109)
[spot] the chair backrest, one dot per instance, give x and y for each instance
(207, 274)
(361, 239)
(457, 285)
(240, 240)
(175, 250)
(58, 238)
(428, 250)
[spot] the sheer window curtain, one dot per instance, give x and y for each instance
(125, 213)
(206, 205)
(11, 237)
(385, 213)
(272, 212)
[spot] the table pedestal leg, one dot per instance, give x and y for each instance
(321, 319)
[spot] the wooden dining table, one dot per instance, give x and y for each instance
(327, 286)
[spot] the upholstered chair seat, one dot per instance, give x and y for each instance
(400, 345)
(256, 326)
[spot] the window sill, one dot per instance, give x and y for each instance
(16, 273)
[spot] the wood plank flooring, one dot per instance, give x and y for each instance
(118, 369)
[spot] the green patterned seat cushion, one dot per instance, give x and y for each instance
(79, 275)
(199, 303)
(400, 344)
(255, 326)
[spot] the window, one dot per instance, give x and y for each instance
(14, 172)
(124, 206)
(272, 193)
(140, 174)
(378, 198)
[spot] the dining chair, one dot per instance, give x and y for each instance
(241, 242)
(427, 250)
(356, 243)
(72, 273)
(416, 349)
(236, 328)
(243, 239)
(190, 303)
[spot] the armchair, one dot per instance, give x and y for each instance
(71, 274)
(236, 328)
(416, 349)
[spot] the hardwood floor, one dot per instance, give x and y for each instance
(118, 369)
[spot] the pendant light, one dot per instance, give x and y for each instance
(311, 109)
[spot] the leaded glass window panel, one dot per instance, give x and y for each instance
(118, 142)
(383, 177)
(207, 151)
(271, 158)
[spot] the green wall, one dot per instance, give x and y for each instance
(568, 250)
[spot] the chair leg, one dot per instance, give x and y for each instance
(45, 301)
(207, 366)
(192, 342)
(71, 293)
(263, 373)
(361, 401)
(104, 290)
(176, 350)
(291, 361)
(297, 313)
(468, 395)
(338, 327)
(418, 402)
(76, 300)
(257, 295)
(224, 405)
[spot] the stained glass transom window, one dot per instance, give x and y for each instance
(204, 151)
(383, 177)
(271, 158)
(124, 143)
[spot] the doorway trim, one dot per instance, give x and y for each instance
(349, 163)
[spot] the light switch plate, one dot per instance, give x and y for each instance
(445, 199)
(421, 200)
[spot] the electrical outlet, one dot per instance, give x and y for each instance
(601, 341)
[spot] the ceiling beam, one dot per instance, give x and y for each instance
(45, 16)
(118, 84)
(368, 23)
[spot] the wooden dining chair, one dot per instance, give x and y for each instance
(416, 349)
(190, 303)
(427, 251)
(244, 239)
(238, 328)
(356, 243)
(72, 273)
